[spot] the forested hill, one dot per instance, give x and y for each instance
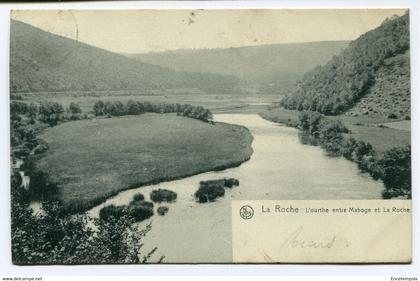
(370, 77)
(42, 61)
(279, 64)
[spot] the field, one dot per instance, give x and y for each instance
(94, 159)
(382, 133)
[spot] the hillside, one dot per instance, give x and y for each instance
(370, 77)
(41, 61)
(279, 65)
(390, 93)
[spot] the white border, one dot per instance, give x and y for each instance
(7, 269)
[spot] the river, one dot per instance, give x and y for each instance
(280, 168)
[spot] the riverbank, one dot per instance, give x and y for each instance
(92, 160)
(382, 152)
(381, 133)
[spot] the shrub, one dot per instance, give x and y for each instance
(396, 166)
(306, 138)
(231, 182)
(162, 210)
(140, 211)
(40, 186)
(162, 195)
(225, 182)
(369, 163)
(348, 146)
(18, 107)
(317, 129)
(362, 148)
(41, 147)
(333, 146)
(74, 108)
(138, 197)
(137, 211)
(209, 193)
(292, 123)
(393, 193)
(112, 211)
(99, 108)
(309, 121)
(392, 116)
(330, 129)
(133, 107)
(21, 151)
(51, 112)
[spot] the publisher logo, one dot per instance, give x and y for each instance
(246, 212)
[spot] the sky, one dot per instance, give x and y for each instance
(143, 31)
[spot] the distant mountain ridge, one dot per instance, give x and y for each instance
(281, 65)
(370, 77)
(42, 61)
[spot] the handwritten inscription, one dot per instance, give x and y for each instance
(295, 240)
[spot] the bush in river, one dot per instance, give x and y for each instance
(163, 195)
(138, 197)
(231, 182)
(211, 189)
(162, 210)
(225, 182)
(209, 193)
(138, 211)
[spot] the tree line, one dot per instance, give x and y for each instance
(393, 167)
(28, 119)
(47, 112)
(117, 108)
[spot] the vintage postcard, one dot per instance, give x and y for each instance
(210, 136)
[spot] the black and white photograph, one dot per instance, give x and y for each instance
(134, 132)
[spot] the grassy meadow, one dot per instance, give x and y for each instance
(94, 159)
(379, 131)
